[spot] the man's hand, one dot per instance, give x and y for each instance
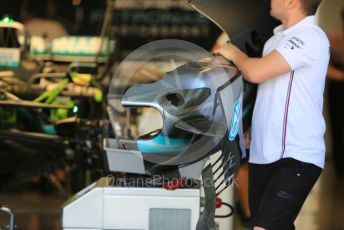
(255, 70)
(229, 51)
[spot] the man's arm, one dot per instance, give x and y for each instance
(334, 73)
(256, 70)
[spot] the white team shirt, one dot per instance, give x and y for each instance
(287, 119)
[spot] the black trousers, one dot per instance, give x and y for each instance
(336, 113)
(278, 190)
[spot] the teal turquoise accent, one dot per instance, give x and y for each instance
(10, 63)
(235, 120)
(49, 129)
(39, 52)
(162, 144)
(59, 53)
(74, 54)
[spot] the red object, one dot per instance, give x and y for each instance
(175, 184)
(218, 202)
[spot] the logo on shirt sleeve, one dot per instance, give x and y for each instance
(295, 43)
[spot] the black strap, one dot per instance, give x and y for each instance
(207, 218)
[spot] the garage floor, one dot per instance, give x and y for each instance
(324, 208)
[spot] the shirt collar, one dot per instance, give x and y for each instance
(309, 20)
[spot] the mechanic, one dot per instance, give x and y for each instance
(287, 146)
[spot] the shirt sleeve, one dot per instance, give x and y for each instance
(300, 49)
